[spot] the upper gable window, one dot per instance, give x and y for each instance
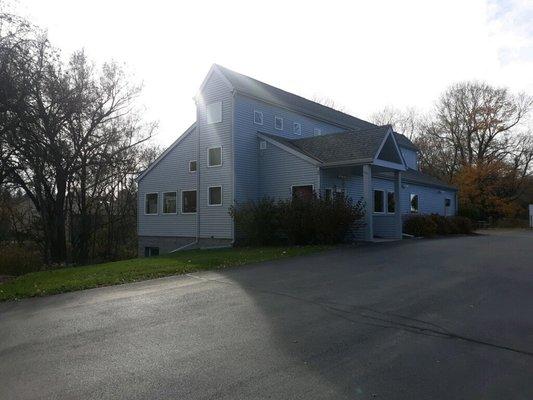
(317, 132)
(214, 157)
(278, 123)
(214, 112)
(297, 128)
(258, 117)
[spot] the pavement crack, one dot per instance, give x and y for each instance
(381, 319)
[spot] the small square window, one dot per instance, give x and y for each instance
(262, 145)
(414, 203)
(297, 128)
(258, 117)
(379, 201)
(188, 201)
(391, 204)
(150, 203)
(215, 196)
(169, 203)
(317, 132)
(214, 157)
(214, 112)
(192, 166)
(278, 123)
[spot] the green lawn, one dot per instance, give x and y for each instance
(77, 278)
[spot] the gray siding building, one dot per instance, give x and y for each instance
(252, 140)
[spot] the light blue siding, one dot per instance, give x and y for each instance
(170, 174)
(430, 199)
(280, 170)
(215, 221)
(384, 224)
(246, 144)
(410, 157)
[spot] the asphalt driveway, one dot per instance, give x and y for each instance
(430, 319)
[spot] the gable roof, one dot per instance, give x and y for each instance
(142, 174)
(355, 147)
(254, 88)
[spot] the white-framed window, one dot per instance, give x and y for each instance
(391, 203)
(447, 202)
(278, 123)
(379, 201)
(262, 145)
(214, 112)
(297, 128)
(192, 166)
(150, 203)
(188, 201)
(214, 156)
(414, 202)
(214, 195)
(170, 200)
(258, 117)
(317, 132)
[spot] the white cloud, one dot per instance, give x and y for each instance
(363, 55)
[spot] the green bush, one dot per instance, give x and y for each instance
(297, 221)
(434, 224)
(19, 260)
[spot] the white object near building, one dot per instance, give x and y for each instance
(531, 215)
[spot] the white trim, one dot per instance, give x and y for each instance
(262, 118)
(218, 121)
(387, 205)
(385, 163)
(221, 162)
(165, 153)
(302, 184)
(163, 203)
(317, 132)
(411, 203)
(181, 201)
(209, 196)
(294, 124)
(374, 201)
(262, 145)
(157, 203)
(275, 126)
(289, 150)
(193, 161)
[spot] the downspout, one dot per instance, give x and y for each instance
(233, 161)
(198, 172)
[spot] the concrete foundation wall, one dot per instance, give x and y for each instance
(166, 244)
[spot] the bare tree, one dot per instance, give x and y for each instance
(62, 126)
(408, 122)
(329, 102)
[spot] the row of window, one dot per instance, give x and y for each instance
(379, 202)
(188, 201)
(278, 124)
(214, 159)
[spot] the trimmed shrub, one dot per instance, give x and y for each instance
(297, 221)
(434, 224)
(420, 225)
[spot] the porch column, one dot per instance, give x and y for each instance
(367, 196)
(397, 203)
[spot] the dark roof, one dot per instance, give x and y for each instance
(412, 175)
(341, 147)
(252, 87)
(403, 141)
(264, 91)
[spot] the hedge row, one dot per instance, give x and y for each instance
(431, 225)
(297, 221)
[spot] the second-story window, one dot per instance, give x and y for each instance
(297, 128)
(192, 166)
(214, 157)
(278, 123)
(214, 112)
(258, 117)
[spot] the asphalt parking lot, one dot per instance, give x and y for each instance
(422, 319)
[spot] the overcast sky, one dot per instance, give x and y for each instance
(364, 55)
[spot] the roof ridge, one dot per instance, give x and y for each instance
(222, 68)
